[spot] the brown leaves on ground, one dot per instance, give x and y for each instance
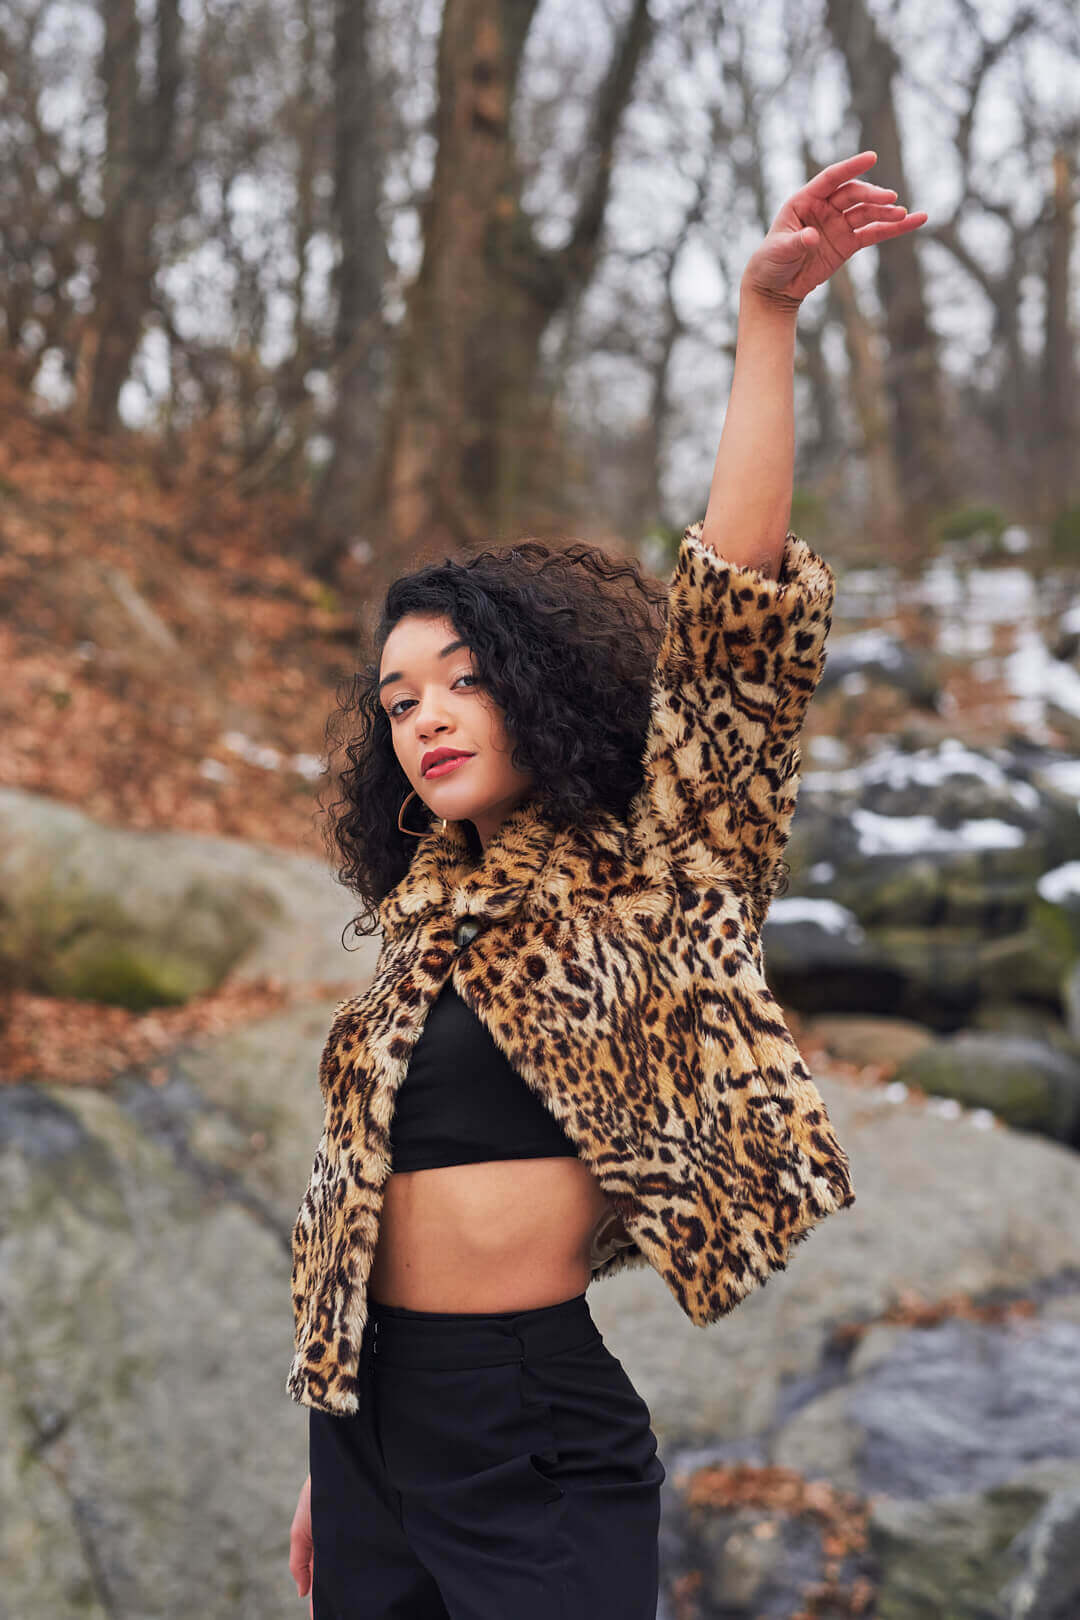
(143, 627)
(67, 1042)
(910, 1309)
(840, 1515)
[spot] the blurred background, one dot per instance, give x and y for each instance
(295, 294)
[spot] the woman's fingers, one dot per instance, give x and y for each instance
(867, 213)
(869, 209)
(878, 229)
(853, 191)
(826, 181)
(301, 1555)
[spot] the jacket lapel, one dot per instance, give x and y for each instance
(444, 883)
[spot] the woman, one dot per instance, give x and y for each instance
(476, 1451)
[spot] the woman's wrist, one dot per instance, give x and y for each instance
(758, 300)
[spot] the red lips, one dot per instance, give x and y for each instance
(435, 755)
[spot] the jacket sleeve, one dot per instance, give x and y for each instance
(739, 662)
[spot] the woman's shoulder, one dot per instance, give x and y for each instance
(605, 860)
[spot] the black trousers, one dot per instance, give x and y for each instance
(501, 1467)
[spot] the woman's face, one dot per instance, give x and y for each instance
(433, 700)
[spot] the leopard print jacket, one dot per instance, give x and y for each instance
(618, 965)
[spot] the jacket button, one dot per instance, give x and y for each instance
(466, 930)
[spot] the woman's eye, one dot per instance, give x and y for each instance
(394, 706)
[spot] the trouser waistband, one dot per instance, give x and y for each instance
(473, 1339)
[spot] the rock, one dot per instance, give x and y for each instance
(965, 1406)
(980, 1556)
(47, 1575)
(821, 1441)
(1048, 1588)
(1029, 1084)
(942, 1410)
(154, 1461)
(1070, 996)
(1034, 961)
(1021, 1018)
(148, 918)
(246, 1105)
(874, 1345)
(875, 655)
(927, 882)
(852, 1038)
(755, 1563)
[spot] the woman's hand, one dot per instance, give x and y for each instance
(820, 227)
(301, 1557)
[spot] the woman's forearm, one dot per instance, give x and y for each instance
(749, 505)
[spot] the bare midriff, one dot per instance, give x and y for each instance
(500, 1235)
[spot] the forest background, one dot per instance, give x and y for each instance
(298, 294)
(294, 293)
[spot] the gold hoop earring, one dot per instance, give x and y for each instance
(412, 794)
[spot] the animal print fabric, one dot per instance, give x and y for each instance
(619, 967)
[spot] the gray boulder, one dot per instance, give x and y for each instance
(1027, 1082)
(150, 918)
(876, 657)
(1008, 1553)
(153, 1458)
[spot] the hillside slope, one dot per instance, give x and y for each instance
(164, 665)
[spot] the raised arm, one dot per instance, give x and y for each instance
(818, 229)
(750, 604)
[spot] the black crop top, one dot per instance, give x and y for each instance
(461, 1101)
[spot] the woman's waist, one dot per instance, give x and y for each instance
(488, 1212)
(453, 1338)
(481, 1202)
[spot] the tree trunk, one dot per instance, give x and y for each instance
(138, 138)
(913, 377)
(452, 467)
(341, 502)
(468, 443)
(1059, 350)
(870, 404)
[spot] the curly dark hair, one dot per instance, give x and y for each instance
(564, 642)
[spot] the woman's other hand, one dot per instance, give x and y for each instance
(301, 1558)
(821, 226)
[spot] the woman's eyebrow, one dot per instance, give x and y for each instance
(397, 675)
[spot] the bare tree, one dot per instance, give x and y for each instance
(913, 376)
(138, 139)
(1059, 344)
(1025, 402)
(360, 336)
(461, 455)
(45, 237)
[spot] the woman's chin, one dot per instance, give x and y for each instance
(454, 806)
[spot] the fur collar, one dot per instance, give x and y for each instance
(529, 858)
